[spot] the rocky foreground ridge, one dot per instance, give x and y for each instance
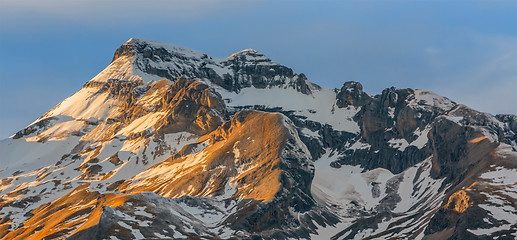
(168, 142)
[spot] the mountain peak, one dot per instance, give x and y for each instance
(242, 146)
(249, 55)
(248, 51)
(151, 49)
(143, 60)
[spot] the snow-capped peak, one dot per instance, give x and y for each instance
(141, 45)
(249, 55)
(248, 51)
(243, 146)
(142, 61)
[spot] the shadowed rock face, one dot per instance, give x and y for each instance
(461, 139)
(511, 128)
(39, 125)
(192, 106)
(254, 160)
(240, 70)
(352, 94)
(474, 195)
(394, 114)
(170, 143)
(255, 157)
(452, 153)
(235, 147)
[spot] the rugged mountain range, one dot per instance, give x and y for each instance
(168, 142)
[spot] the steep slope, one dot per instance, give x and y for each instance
(168, 142)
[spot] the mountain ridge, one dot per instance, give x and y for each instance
(167, 142)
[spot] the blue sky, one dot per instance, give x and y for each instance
(465, 50)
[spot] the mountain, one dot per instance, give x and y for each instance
(168, 142)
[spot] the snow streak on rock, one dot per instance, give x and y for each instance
(170, 143)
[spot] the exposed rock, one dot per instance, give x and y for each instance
(36, 127)
(352, 94)
(176, 144)
(191, 106)
(453, 153)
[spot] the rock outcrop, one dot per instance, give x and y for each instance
(170, 143)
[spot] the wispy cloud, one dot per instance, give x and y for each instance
(112, 12)
(490, 84)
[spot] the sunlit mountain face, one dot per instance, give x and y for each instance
(170, 143)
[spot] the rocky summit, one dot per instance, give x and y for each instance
(170, 143)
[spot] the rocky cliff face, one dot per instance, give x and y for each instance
(168, 142)
(240, 70)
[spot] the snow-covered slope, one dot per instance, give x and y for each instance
(168, 142)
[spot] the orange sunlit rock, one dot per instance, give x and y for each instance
(237, 157)
(459, 202)
(74, 212)
(471, 185)
(479, 139)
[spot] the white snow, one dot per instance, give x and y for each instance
(351, 187)
(210, 218)
(353, 184)
(426, 187)
(329, 231)
(143, 123)
(457, 120)
(21, 155)
(391, 112)
(141, 211)
(501, 176)
(316, 107)
(122, 68)
(422, 139)
(488, 231)
(431, 99)
(160, 236)
(127, 68)
(309, 133)
(87, 103)
(500, 193)
(399, 144)
(341, 189)
(359, 145)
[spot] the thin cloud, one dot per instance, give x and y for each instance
(491, 84)
(98, 11)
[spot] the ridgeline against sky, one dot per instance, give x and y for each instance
(466, 50)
